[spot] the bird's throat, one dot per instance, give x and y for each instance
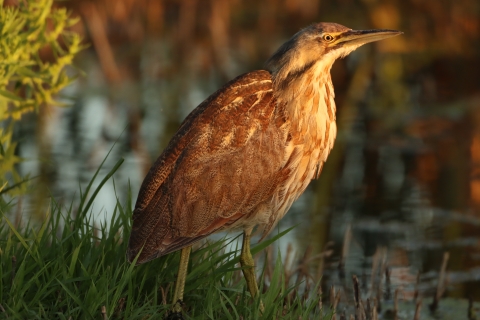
(308, 100)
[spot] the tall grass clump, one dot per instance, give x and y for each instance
(68, 268)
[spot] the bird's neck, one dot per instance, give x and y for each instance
(308, 98)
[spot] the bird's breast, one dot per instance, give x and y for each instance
(311, 109)
(311, 112)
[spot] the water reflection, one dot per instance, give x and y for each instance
(404, 170)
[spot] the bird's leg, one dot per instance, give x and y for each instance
(248, 265)
(180, 284)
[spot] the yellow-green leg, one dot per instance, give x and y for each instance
(180, 284)
(248, 265)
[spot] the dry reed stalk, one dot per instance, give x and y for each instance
(269, 263)
(346, 246)
(104, 313)
(382, 257)
(100, 41)
(164, 296)
(333, 302)
(302, 269)
(321, 263)
(471, 312)
(368, 310)
(3, 310)
(395, 305)
(320, 293)
(375, 265)
(418, 308)
(417, 284)
(388, 289)
(287, 270)
(374, 310)
(441, 283)
(119, 308)
(359, 309)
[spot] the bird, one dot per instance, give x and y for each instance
(245, 154)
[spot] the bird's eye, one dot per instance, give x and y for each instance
(328, 38)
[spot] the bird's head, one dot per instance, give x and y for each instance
(319, 45)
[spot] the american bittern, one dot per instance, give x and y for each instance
(244, 155)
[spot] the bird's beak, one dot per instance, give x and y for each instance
(360, 37)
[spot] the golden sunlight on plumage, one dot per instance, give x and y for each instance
(244, 155)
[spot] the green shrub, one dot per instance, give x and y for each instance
(27, 80)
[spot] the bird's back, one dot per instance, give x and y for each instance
(224, 168)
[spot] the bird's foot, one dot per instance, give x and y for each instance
(176, 312)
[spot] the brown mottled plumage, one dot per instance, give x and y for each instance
(224, 164)
(246, 153)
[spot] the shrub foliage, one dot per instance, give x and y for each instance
(36, 49)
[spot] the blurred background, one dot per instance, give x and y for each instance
(405, 170)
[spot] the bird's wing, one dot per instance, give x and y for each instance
(221, 166)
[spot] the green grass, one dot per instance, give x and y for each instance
(66, 268)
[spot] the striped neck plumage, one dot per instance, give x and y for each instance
(306, 91)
